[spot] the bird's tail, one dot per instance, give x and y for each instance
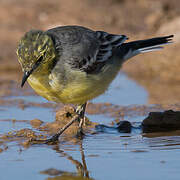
(133, 48)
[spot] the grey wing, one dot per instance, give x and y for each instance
(83, 48)
(106, 44)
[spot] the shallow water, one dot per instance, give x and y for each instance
(123, 91)
(100, 156)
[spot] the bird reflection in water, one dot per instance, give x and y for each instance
(81, 167)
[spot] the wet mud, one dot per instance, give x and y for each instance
(41, 131)
(154, 121)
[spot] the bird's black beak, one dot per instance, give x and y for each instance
(28, 73)
(25, 76)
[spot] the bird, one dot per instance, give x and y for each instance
(74, 64)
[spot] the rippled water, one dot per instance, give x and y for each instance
(101, 156)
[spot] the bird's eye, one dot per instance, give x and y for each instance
(39, 60)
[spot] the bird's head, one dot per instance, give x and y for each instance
(36, 53)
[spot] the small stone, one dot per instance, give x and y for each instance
(124, 126)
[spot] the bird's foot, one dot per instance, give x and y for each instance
(51, 141)
(54, 139)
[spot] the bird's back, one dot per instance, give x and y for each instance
(74, 42)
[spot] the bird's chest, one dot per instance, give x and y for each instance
(72, 86)
(42, 86)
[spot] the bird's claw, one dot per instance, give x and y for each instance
(51, 141)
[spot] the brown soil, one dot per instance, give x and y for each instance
(41, 130)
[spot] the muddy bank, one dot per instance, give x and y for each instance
(115, 111)
(40, 130)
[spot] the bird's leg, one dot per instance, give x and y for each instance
(55, 138)
(80, 110)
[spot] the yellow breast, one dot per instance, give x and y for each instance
(78, 91)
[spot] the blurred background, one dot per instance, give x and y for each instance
(157, 72)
